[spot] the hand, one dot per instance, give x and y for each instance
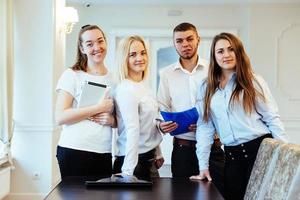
(159, 162)
(103, 119)
(204, 174)
(167, 127)
(106, 105)
(193, 128)
(117, 174)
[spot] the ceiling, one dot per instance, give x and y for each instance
(173, 2)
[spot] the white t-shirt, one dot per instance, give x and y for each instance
(84, 135)
(137, 110)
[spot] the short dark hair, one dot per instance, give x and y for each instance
(185, 26)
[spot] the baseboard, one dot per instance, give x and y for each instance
(26, 196)
(4, 181)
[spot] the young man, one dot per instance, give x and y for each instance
(177, 92)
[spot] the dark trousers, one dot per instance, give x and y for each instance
(184, 162)
(143, 168)
(83, 163)
(239, 161)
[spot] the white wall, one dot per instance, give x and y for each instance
(273, 48)
(155, 17)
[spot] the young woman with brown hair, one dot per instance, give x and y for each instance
(84, 147)
(238, 105)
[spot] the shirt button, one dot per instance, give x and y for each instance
(229, 153)
(244, 150)
(246, 156)
(242, 145)
(232, 158)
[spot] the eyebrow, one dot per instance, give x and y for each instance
(224, 48)
(182, 38)
(137, 51)
(99, 38)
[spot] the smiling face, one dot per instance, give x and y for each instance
(225, 55)
(137, 59)
(186, 43)
(93, 46)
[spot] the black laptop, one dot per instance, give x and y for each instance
(119, 181)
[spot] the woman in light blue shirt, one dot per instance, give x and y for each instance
(238, 105)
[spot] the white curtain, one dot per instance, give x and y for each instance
(6, 79)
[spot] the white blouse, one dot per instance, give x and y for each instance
(136, 110)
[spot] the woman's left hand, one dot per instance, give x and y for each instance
(159, 162)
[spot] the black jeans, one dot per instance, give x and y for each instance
(143, 168)
(83, 163)
(238, 166)
(184, 163)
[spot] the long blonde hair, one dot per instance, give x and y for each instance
(244, 77)
(123, 55)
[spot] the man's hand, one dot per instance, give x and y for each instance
(193, 127)
(204, 174)
(167, 127)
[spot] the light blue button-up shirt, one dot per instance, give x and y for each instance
(233, 125)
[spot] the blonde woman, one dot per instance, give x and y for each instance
(136, 110)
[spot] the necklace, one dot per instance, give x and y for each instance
(96, 71)
(93, 72)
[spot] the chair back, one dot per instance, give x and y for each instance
(263, 168)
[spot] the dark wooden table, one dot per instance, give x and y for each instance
(73, 188)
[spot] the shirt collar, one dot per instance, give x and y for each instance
(200, 65)
(230, 81)
(232, 76)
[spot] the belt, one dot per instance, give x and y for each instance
(192, 143)
(183, 142)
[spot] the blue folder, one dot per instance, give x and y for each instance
(184, 119)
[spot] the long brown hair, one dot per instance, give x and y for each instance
(244, 77)
(81, 59)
